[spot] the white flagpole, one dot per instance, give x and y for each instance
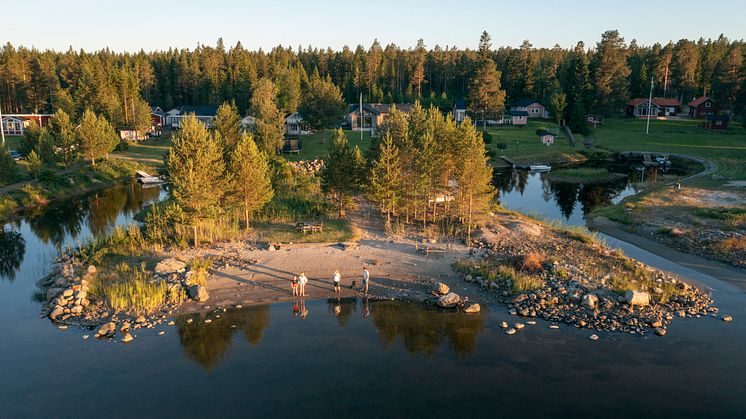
(2, 133)
(361, 116)
(650, 105)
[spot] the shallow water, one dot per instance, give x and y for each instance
(346, 358)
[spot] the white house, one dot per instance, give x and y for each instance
(204, 114)
(294, 125)
(459, 110)
(247, 123)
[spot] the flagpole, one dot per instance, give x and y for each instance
(361, 116)
(650, 105)
(2, 133)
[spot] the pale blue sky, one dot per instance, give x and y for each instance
(135, 24)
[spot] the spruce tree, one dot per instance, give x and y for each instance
(196, 170)
(340, 175)
(322, 106)
(269, 131)
(228, 125)
(251, 185)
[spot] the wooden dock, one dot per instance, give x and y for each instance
(514, 163)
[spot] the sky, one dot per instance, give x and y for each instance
(131, 25)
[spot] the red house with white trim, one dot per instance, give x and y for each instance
(16, 124)
(701, 107)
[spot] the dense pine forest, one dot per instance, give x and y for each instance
(598, 78)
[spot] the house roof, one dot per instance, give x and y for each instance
(199, 110)
(525, 102)
(379, 108)
(157, 111)
(459, 104)
(698, 101)
(8, 117)
(657, 101)
(518, 113)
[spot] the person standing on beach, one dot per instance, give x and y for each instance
(366, 277)
(337, 278)
(302, 281)
(294, 285)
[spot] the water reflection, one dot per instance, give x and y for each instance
(342, 308)
(12, 249)
(422, 329)
(207, 344)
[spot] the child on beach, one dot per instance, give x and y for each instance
(337, 278)
(294, 285)
(302, 281)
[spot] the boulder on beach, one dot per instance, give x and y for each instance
(127, 338)
(170, 265)
(107, 329)
(198, 293)
(442, 288)
(449, 300)
(473, 308)
(590, 301)
(637, 298)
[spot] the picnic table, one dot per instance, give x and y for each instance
(426, 249)
(310, 227)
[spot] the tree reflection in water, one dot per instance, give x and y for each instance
(208, 344)
(12, 249)
(422, 329)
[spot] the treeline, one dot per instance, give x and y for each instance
(607, 74)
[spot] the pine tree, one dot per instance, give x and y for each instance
(228, 125)
(95, 136)
(385, 181)
(269, 131)
(251, 185)
(485, 91)
(610, 72)
(288, 90)
(322, 106)
(339, 176)
(63, 137)
(196, 170)
(35, 164)
(474, 177)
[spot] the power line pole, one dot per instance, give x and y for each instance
(650, 105)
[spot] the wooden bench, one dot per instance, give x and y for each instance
(426, 249)
(312, 227)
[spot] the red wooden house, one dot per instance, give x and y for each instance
(701, 107)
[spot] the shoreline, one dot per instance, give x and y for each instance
(717, 270)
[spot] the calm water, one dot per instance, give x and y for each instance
(345, 358)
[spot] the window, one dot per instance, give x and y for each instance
(708, 104)
(718, 123)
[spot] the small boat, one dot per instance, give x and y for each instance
(540, 168)
(147, 179)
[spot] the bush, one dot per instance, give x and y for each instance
(122, 146)
(487, 137)
(199, 267)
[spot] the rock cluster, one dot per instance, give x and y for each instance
(68, 301)
(307, 167)
(570, 302)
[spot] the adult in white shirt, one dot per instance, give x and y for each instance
(337, 278)
(302, 281)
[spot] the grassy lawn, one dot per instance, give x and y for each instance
(726, 149)
(523, 144)
(148, 152)
(314, 149)
(334, 231)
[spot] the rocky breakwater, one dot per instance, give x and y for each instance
(307, 167)
(75, 297)
(582, 304)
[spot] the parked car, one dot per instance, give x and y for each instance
(15, 154)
